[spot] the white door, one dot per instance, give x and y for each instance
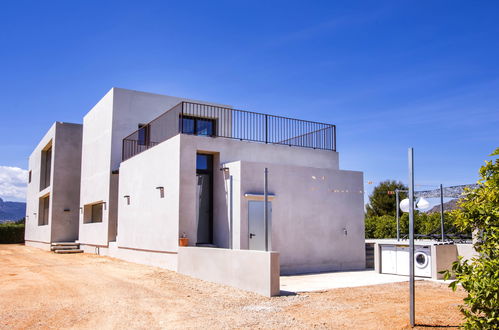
(402, 260)
(256, 228)
(388, 259)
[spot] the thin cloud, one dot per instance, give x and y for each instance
(13, 183)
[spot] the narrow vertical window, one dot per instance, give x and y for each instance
(46, 166)
(144, 135)
(43, 210)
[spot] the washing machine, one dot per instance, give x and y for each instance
(422, 261)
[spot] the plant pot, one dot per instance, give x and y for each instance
(184, 241)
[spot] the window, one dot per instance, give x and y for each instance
(93, 212)
(29, 176)
(198, 126)
(46, 166)
(43, 211)
(144, 135)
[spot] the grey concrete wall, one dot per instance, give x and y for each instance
(317, 216)
(66, 182)
(255, 271)
(442, 257)
(150, 222)
(466, 251)
(64, 189)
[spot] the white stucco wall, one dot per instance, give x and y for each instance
(150, 222)
(64, 186)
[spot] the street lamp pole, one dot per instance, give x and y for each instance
(411, 236)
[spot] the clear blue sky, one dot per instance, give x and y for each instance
(389, 74)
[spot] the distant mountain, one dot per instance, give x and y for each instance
(12, 211)
(448, 206)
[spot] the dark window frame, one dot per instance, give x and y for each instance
(195, 125)
(44, 210)
(46, 167)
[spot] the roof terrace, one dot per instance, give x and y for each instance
(215, 121)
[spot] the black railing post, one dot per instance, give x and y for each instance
(334, 137)
(266, 128)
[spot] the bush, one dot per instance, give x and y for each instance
(11, 233)
(480, 276)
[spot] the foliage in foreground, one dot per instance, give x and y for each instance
(11, 233)
(480, 276)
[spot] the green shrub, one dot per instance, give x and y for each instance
(480, 276)
(11, 233)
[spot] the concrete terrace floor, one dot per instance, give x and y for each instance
(335, 280)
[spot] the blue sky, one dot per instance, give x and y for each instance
(389, 74)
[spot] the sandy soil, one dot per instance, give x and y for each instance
(40, 289)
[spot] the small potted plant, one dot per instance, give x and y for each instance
(183, 240)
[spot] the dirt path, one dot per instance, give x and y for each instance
(40, 289)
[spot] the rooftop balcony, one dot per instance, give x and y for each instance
(215, 121)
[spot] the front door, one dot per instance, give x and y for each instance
(204, 174)
(256, 224)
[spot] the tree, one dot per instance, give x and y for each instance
(382, 200)
(479, 276)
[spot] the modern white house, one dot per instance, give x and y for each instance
(157, 168)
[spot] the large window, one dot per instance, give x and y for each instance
(198, 126)
(93, 212)
(43, 210)
(46, 166)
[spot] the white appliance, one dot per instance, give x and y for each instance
(422, 261)
(395, 260)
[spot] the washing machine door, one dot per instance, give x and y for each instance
(421, 259)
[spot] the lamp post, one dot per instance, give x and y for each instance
(411, 237)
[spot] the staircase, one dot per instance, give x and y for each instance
(65, 247)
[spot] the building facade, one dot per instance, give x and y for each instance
(157, 168)
(53, 195)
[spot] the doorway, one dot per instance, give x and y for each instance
(204, 207)
(256, 224)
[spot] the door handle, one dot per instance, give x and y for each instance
(251, 235)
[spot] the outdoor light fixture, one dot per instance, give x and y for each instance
(127, 199)
(161, 192)
(81, 209)
(421, 204)
(66, 210)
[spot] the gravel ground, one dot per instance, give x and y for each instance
(40, 289)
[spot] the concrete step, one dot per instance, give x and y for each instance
(65, 247)
(68, 251)
(64, 243)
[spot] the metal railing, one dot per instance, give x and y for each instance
(216, 121)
